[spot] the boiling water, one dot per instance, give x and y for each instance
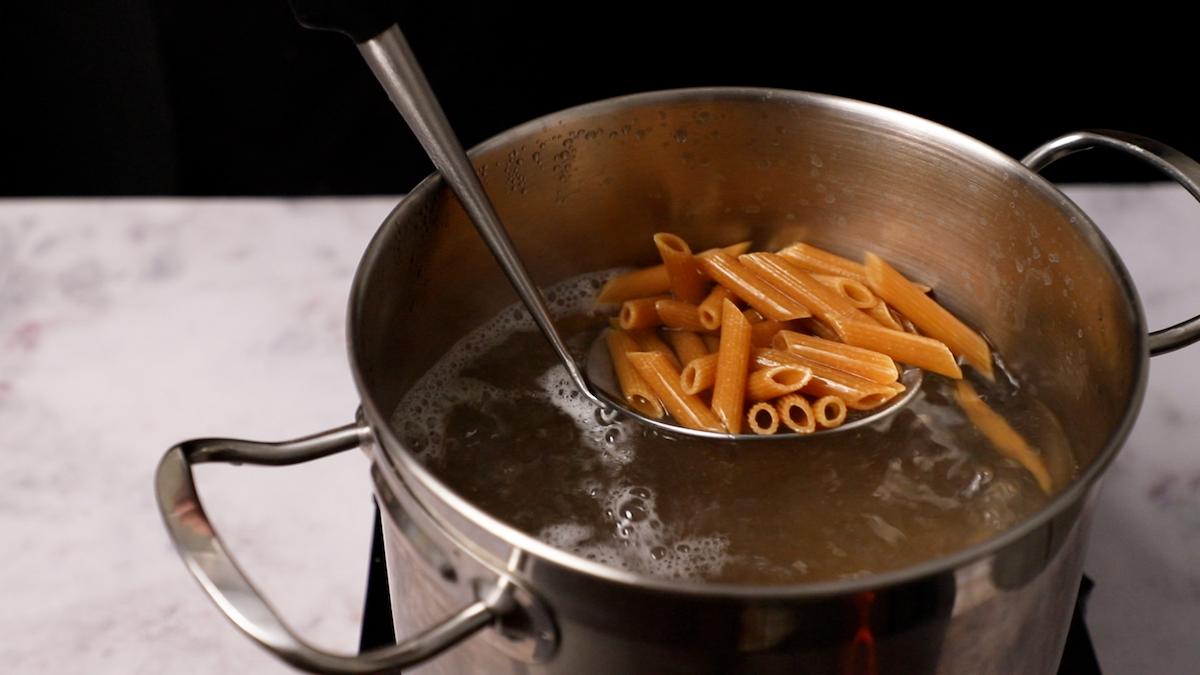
(499, 421)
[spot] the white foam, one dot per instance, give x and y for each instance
(603, 436)
(642, 542)
(566, 535)
(422, 414)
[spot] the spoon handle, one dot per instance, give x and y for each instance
(370, 24)
(394, 65)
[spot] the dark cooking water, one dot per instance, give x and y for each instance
(499, 421)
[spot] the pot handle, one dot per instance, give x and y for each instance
(211, 564)
(1183, 169)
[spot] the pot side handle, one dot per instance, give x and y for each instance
(211, 564)
(1183, 169)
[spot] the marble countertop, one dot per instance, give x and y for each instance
(127, 325)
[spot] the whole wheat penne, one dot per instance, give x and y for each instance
(928, 316)
(763, 419)
(710, 308)
(649, 341)
(1006, 439)
(663, 379)
(819, 329)
(796, 413)
(650, 280)
(810, 257)
(678, 315)
(829, 412)
(687, 345)
(699, 374)
(915, 350)
(733, 365)
(687, 284)
(640, 313)
(712, 341)
(634, 389)
(752, 288)
(763, 332)
(753, 315)
(765, 384)
(882, 315)
(854, 291)
(824, 302)
(867, 364)
(646, 282)
(858, 393)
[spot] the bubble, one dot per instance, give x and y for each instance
(633, 510)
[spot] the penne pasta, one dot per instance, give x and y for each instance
(796, 414)
(763, 419)
(819, 329)
(699, 374)
(858, 393)
(663, 379)
(640, 313)
(687, 284)
(687, 345)
(763, 332)
(636, 284)
(751, 288)
(915, 350)
(678, 315)
(813, 259)
(649, 341)
(867, 364)
(1006, 439)
(765, 384)
(710, 309)
(651, 280)
(928, 316)
(733, 364)
(636, 392)
(824, 302)
(809, 257)
(816, 335)
(829, 412)
(855, 292)
(882, 315)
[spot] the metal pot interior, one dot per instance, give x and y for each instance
(585, 189)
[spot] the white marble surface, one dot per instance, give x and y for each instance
(127, 325)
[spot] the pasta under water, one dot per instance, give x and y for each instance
(498, 420)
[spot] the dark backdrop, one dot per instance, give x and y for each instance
(233, 98)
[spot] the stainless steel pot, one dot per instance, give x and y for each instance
(582, 190)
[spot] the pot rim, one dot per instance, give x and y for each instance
(395, 451)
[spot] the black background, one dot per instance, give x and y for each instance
(130, 97)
